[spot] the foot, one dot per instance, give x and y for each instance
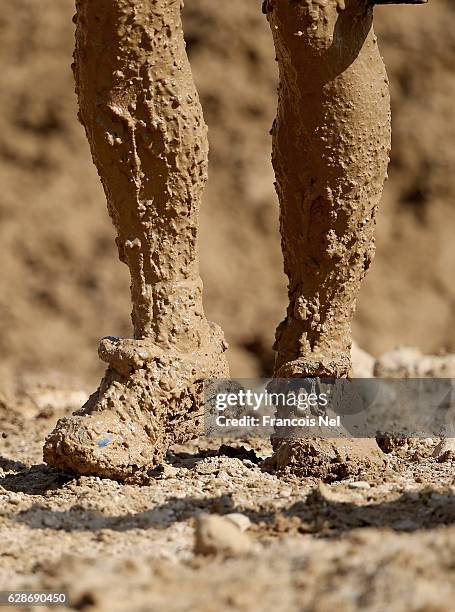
(327, 459)
(148, 400)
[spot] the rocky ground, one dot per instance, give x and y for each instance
(211, 530)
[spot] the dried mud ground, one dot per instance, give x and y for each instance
(387, 544)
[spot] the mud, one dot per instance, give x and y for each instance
(148, 139)
(329, 460)
(331, 145)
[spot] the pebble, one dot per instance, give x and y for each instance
(240, 520)
(169, 471)
(359, 484)
(217, 535)
(206, 468)
(285, 494)
(445, 450)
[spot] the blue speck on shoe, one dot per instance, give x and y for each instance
(104, 442)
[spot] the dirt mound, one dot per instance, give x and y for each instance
(61, 285)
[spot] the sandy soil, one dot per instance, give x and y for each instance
(381, 544)
(55, 303)
(387, 544)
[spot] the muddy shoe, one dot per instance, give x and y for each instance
(327, 459)
(146, 402)
(302, 452)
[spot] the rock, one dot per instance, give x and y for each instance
(400, 362)
(169, 471)
(216, 535)
(359, 484)
(439, 366)
(429, 441)
(326, 493)
(60, 399)
(240, 520)
(445, 450)
(409, 362)
(362, 362)
(390, 444)
(207, 466)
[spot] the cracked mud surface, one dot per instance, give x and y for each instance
(386, 543)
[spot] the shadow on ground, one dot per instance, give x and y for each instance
(313, 516)
(322, 512)
(34, 480)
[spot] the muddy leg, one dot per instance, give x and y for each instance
(331, 142)
(144, 123)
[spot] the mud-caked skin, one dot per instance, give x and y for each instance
(331, 144)
(148, 139)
